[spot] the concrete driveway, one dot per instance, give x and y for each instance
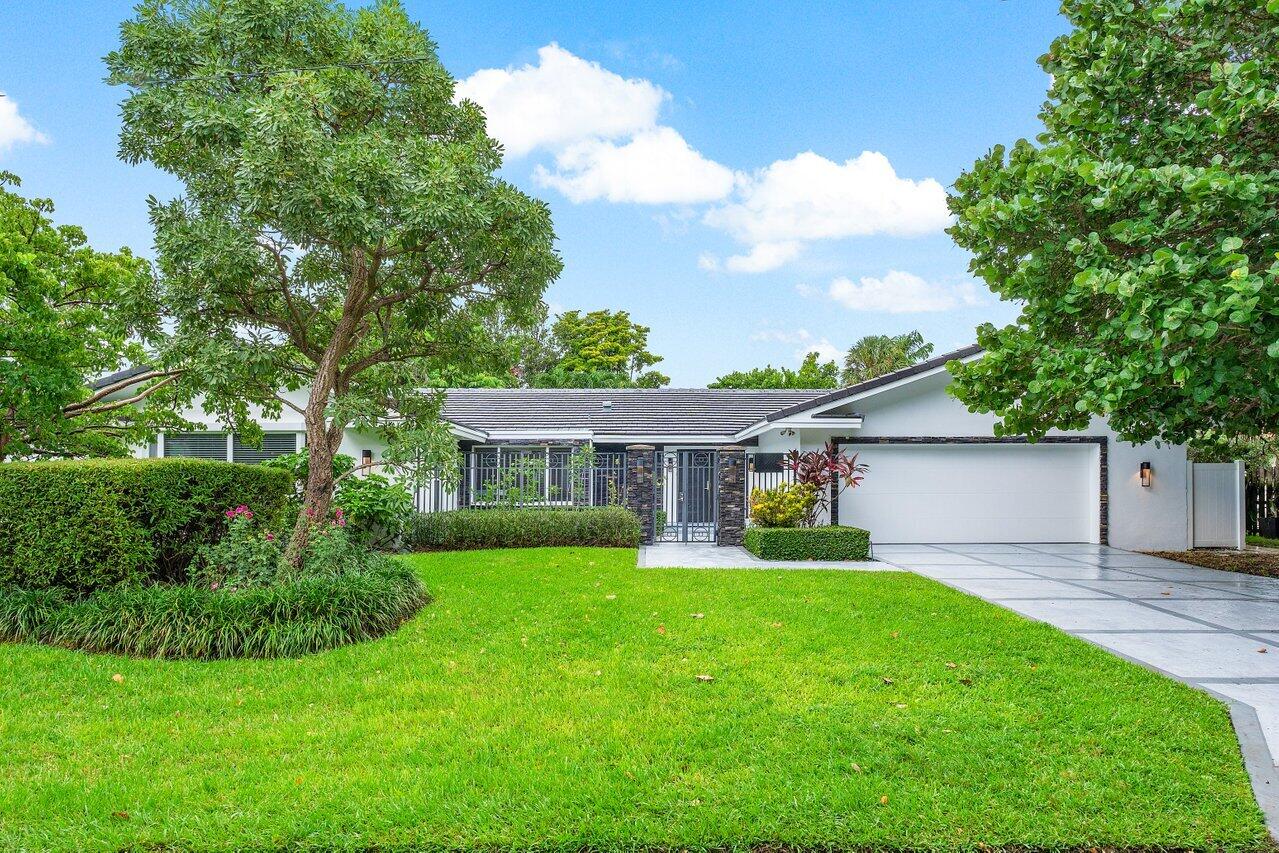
(1217, 631)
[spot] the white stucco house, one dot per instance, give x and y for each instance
(937, 473)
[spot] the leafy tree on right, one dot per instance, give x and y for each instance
(1140, 233)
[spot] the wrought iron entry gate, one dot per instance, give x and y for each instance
(685, 506)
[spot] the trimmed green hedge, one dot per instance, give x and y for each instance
(308, 615)
(90, 524)
(808, 543)
(533, 527)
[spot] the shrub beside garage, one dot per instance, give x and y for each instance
(808, 543)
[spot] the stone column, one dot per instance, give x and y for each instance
(731, 497)
(639, 487)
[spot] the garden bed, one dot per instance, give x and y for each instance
(287, 619)
(557, 699)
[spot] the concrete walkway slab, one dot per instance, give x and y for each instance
(1217, 631)
(690, 555)
(1154, 589)
(1099, 614)
(1028, 587)
(1234, 615)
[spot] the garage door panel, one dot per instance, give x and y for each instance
(974, 493)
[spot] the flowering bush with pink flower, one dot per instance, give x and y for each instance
(247, 555)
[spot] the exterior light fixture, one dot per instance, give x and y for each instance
(1144, 472)
(366, 457)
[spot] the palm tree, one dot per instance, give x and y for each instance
(875, 355)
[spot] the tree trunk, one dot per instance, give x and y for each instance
(322, 439)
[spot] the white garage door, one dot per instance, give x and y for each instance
(975, 493)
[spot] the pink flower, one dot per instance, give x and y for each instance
(214, 585)
(270, 537)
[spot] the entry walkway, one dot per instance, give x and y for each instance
(701, 555)
(1217, 631)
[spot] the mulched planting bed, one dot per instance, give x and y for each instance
(1263, 563)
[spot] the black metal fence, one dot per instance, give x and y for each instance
(1259, 504)
(527, 476)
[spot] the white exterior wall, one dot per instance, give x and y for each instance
(1153, 518)
(354, 442)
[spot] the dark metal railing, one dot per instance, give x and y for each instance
(524, 477)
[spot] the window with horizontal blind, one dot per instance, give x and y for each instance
(273, 444)
(198, 445)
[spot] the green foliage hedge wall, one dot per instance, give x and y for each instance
(523, 528)
(808, 543)
(85, 525)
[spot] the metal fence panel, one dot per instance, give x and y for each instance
(525, 477)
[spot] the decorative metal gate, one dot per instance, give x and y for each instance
(685, 506)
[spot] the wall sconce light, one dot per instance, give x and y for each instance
(788, 432)
(366, 457)
(1144, 472)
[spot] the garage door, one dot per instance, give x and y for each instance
(975, 493)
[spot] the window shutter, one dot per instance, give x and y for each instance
(273, 444)
(197, 445)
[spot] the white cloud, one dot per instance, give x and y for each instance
(826, 351)
(900, 293)
(806, 341)
(764, 257)
(14, 128)
(708, 262)
(656, 166)
(561, 100)
(809, 197)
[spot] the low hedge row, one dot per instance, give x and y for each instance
(808, 543)
(466, 529)
(90, 524)
(302, 617)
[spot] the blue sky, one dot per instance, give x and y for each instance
(705, 163)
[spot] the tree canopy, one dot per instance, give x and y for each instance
(68, 315)
(813, 373)
(600, 349)
(341, 226)
(875, 355)
(1139, 232)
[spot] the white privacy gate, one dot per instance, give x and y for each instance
(1217, 492)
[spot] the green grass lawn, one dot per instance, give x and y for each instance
(549, 699)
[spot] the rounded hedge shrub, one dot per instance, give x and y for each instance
(90, 524)
(531, 527)
(836, 542)
(299, 617)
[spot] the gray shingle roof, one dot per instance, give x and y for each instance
(635, 411)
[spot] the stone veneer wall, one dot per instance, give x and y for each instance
(639, 487)
(731, 497)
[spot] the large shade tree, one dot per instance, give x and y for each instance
(341, 228)
(600, 349)
(1140, 232)
(70, 314)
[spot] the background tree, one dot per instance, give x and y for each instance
(341, 229)
(601, 349)
(1140, 233)
(875, 355)
(811, 374)
(68, 315)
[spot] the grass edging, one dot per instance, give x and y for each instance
(312, 614)
(808, 543)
